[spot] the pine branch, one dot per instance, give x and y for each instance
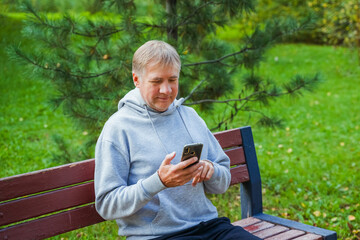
(231, 117)
(266, 120)
(188, 17)
(45, 23)
(194, 90)
(296, 85)
(48, 68)
(153, 25)
(291, 88)
(219, 59)
(247, 98)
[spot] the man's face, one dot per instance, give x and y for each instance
(158, 86)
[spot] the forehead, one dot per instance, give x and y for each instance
(161, 70)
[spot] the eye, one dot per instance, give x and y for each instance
(156, 81)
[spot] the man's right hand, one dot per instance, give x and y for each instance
(177, 175)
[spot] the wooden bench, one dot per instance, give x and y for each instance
(52, 201)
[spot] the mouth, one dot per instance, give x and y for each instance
(164, 98)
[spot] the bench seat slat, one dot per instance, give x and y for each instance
(236, 156)
(330, 235)
(43, 180)
(229, 138)
(239, 174)
(246, 222)
(53, 225)
(266, 233)
(287, 235)
(309, 236)
(258, 227)
(45, 203)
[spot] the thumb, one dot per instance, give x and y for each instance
(168, 159)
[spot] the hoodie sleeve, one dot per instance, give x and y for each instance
(113, 197)
(221, 178)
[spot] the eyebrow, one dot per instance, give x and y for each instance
(160, 78)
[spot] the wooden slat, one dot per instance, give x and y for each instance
(266, 233)
(329, 235)
(239, 174)
(287, 235)
(45, 203)
(229, 138)
(246, 222)
(47, 179)
(258, 227)
(53, 225)
(236, 156)
(309, 236)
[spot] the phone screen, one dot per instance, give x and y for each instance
(192, 150)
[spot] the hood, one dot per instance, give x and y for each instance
(134, 100)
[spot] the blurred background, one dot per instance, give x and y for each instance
(293, 68)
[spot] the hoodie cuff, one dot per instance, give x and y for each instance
(152, 185)
(216, 174)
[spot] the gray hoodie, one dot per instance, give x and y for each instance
(130, 150)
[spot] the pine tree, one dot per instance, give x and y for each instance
(88, 59)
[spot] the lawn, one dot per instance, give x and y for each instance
(309, 167)
(28, 124)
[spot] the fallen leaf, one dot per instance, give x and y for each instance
(317, 213)
(351, 218)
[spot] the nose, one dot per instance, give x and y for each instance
(165, 88)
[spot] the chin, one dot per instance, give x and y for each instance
(162, 108)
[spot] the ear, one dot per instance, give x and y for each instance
(136, 79)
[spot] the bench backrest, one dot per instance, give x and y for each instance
(52, 201)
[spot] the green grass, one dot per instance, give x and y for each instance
(27, 122)
(309, 168)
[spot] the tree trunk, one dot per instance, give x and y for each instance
(172, 33)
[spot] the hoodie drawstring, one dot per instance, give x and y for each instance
(152, 124)
(182, 119)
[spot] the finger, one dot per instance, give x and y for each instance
(194, 170)
(196, 179)
(204, 172)
(168, 159)
(209, 174)
(208, 171)
(188, 162)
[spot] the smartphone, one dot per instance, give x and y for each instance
(192, 150)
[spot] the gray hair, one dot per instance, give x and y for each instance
(155, 52)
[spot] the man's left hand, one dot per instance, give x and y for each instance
(205, 174)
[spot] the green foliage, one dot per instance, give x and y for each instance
(27, 123)
(88, 57)
(309, 168)
(338, 22)
(91, 6)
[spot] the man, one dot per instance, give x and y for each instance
(139, 178)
